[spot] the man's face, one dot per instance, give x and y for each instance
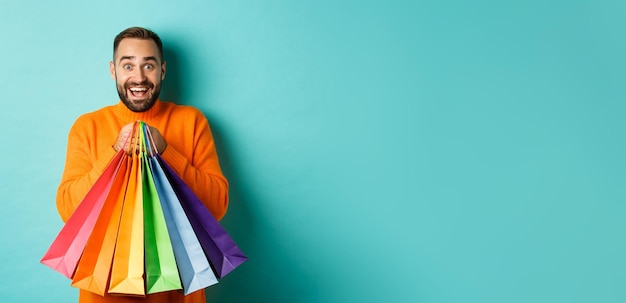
(138, 71)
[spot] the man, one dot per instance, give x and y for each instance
(181, 134)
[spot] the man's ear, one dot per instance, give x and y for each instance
(163, 70)
(112, 69)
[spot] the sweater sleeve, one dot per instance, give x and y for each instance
(81, 171)
(202, 172)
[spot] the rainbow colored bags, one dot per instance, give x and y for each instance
(141, 230)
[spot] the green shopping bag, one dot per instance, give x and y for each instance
(161, 270)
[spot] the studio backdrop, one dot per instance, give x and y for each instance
(377, 151)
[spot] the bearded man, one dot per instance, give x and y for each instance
(180, 133)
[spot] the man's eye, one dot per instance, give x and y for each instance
(127, 67)
(149, 66)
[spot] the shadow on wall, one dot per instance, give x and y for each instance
(269, 275)
(172, 88)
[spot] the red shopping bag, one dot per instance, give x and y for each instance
(67, 247)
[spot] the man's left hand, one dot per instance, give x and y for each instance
(158, 139)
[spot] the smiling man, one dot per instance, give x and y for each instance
(181, 134)
(138, 70)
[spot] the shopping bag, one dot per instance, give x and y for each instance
(194, 268)
(92, 273)
(222, 251)
(161, 270)
(128, 262)
(67, 248)
(143, 231)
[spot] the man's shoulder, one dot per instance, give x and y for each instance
(181, 109)
(88, 123)
(95, 115)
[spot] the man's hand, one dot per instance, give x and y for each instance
(131, 144)
(158, 139)
(122, 139)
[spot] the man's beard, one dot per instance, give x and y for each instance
(141, 105)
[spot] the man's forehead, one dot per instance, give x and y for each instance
(133, 48)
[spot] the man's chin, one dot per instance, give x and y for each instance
(140, 105)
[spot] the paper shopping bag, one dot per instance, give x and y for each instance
(161, 270)
(222, 251)
(94, 268)
(128, 263)
(194, 268)
(67, 248)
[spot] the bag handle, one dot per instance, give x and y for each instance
(136, 148)
(128, 140)
(150, 141)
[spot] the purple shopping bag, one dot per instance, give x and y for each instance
(222, 251)
(193, 265)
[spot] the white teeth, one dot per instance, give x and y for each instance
(138, 89)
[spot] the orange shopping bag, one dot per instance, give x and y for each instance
(94, 267)
(128, 262)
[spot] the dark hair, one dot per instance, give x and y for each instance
(138, 33)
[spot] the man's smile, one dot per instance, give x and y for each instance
(138, 91)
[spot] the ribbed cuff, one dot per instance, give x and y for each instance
(104, 161)
(175, 159)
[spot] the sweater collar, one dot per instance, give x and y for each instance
(128, 115)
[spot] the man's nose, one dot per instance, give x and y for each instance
(139, 74)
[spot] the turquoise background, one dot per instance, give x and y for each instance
(378, 151)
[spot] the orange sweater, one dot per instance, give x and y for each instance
(190, 151)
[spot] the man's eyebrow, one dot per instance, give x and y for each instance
(149, 58)
(126, 58)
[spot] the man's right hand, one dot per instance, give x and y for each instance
(123, 141)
